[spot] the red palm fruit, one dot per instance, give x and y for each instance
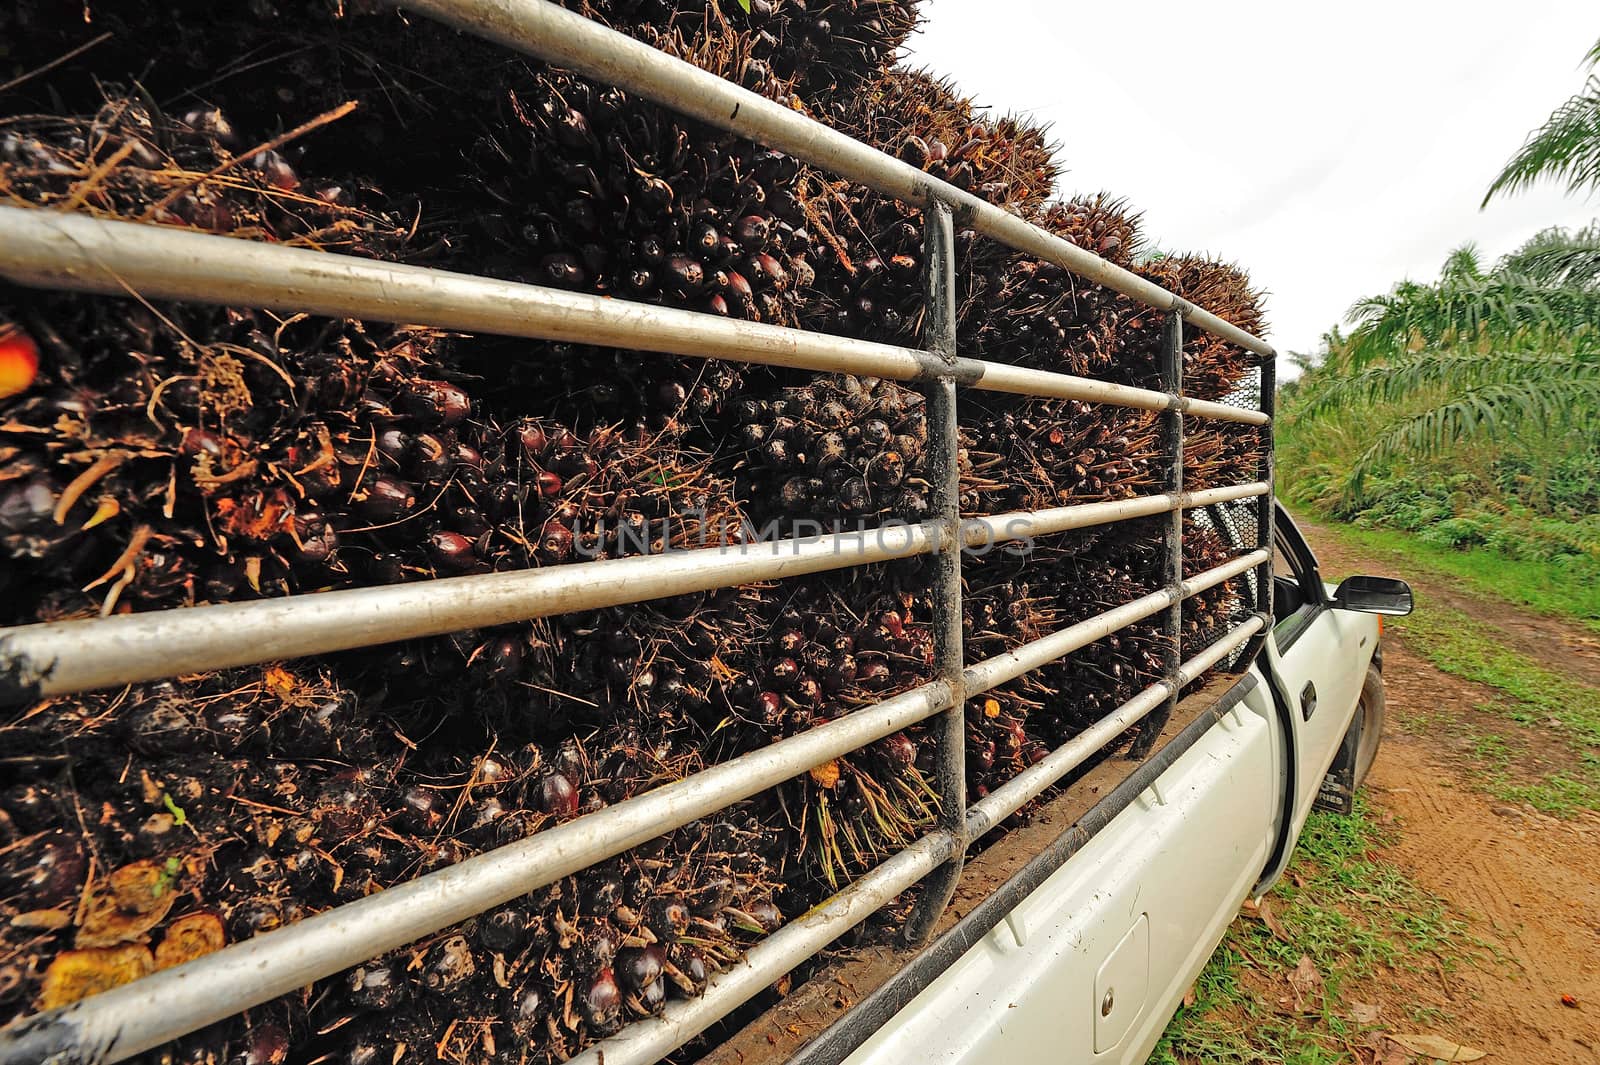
(534, 440)
(450, 551)
(689, 970)
(550, 484)
(873, 674)
(768, 916)
(376, 986)
(557, 796)
(784, 673)
(686, 274)
(19, 360)
(899, 750)
(555, 542)
(434, 402)
(421, 810)
(385, 499)
(600, 1002)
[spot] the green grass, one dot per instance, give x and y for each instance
(1526, 692)
(1351, 914)
(1465, 647)
(1546, 587)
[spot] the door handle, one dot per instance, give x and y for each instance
(1308, 700)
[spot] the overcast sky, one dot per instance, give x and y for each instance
(1331, 150)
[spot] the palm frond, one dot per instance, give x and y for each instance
(1495, 307)
(1558, 257)
(1566, 147)
(1494, 411)
(1453, 370)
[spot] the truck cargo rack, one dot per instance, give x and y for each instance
(48, 249)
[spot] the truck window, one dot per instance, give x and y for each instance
(1297, 594)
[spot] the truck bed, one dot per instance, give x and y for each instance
(1083, 905)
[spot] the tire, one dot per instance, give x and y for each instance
(1370, 712)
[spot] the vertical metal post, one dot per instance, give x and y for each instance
(1169, 361)
(1264, 516)
(939, 336)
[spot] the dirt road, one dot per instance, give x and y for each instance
(1528, 884)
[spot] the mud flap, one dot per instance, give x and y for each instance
(1337, 795)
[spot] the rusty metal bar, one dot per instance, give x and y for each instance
(1169, 362)
(944, 476)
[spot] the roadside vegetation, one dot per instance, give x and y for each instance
(1464, 412)
(1280, 987)
(1535, 701)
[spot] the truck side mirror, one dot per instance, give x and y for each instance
(1374, 595)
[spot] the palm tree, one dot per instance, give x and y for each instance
(1566, 146)
(1478, 354)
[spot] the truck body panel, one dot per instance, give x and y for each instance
(1171, 869)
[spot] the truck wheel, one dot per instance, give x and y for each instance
(1370, 713)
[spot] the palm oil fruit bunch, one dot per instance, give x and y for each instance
(1050, 453)
(596, 191)
(223, 806)
(869, 248)
(1003, 610)
(1209, 615)
(1094, 681)
(128, 161)
(1045, 317)
(1213, 368)
(834, 644)
(1220, 454)
(840, 451)
(817, 51)
(575, 960)
(925, 120)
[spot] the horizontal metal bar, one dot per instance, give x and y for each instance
(102, 652)
(1020, 380)
(149, 1012)
(69, 656)
(1030, 656)
(646, 1042)
(1022, 524)
(47, 249)
(543, 29)
(1032, 782)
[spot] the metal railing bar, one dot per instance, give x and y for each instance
(944, 478)
(1023, 525)
(47, 249)
(56, 658)
(68, 656)
(1033, 781)
(128, 1020)
(648, 1041)
(1022, 381)
(543, 29)
(1030, 656)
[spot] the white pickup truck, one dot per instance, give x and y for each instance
(1071, 938)
(1086, 951)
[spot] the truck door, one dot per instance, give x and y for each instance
(1318, 653)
